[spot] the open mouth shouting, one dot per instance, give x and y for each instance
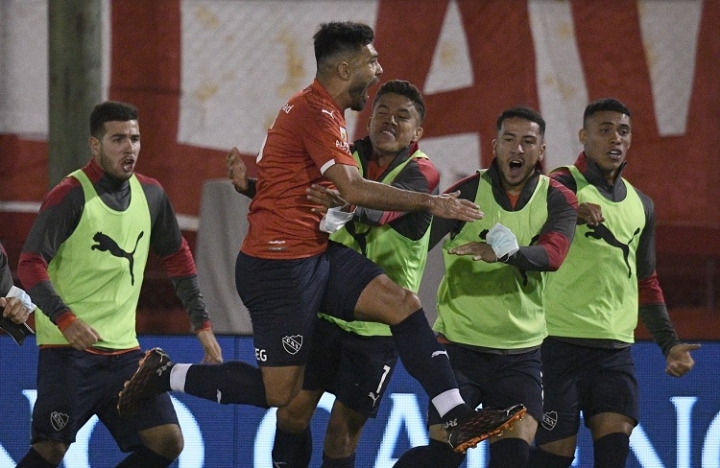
(128, 164)
(515, 166)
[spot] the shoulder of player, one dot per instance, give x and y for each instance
(425, 167)
(646, 201)
(563, 176)
(148, 181)
(313, 103)
(67, 190)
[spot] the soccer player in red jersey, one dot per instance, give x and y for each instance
(287, 269)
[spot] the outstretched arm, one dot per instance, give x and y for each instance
(359, 191)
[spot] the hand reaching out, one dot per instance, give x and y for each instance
(237, 170)
(451, 207)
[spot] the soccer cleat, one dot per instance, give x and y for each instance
(150, 379)
(469, 430)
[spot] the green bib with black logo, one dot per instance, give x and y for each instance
(494, 305)
(594, 294)
(99, 269)
(402, 259)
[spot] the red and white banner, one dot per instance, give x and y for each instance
(207, 75)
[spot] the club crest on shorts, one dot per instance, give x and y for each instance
(59, 420)
(549, 420)
(292, 344)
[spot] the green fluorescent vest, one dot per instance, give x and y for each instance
(494, 305)
(594, 294)
(402, 259)
(92, 269)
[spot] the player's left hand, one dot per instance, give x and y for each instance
(325, 197)
(479, 251)
(213, 353)
(679, 360)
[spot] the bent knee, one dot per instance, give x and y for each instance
(292, 421)
(52, 451)
(164, 440)
(278, 399)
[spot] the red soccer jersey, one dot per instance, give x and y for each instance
(307, 137)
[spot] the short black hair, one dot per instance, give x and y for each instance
(110, 111)
(523, 113)
(604, 104)
(336, 37)
(403, 88)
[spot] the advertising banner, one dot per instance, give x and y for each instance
(679, 427)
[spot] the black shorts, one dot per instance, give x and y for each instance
(495, 380)
(73, 385)
(283, 298)
(583, 379)
(356, 369)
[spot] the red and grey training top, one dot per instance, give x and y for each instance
(59, 215)
(652, 308)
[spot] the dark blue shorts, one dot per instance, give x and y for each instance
(74, 385)
(583, 379)
(356, 369)
(496, 380)
(283, 298)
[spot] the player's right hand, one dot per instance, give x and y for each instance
(590, 213)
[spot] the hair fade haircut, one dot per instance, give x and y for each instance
(403, 88)
(602, 105)
(523, 113)
(341, 37)
(110, 111)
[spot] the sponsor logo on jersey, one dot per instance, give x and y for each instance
(343, 134)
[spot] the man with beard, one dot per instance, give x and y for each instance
(490, 301)
(355, 360)
(83, 264)
(287, 269)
